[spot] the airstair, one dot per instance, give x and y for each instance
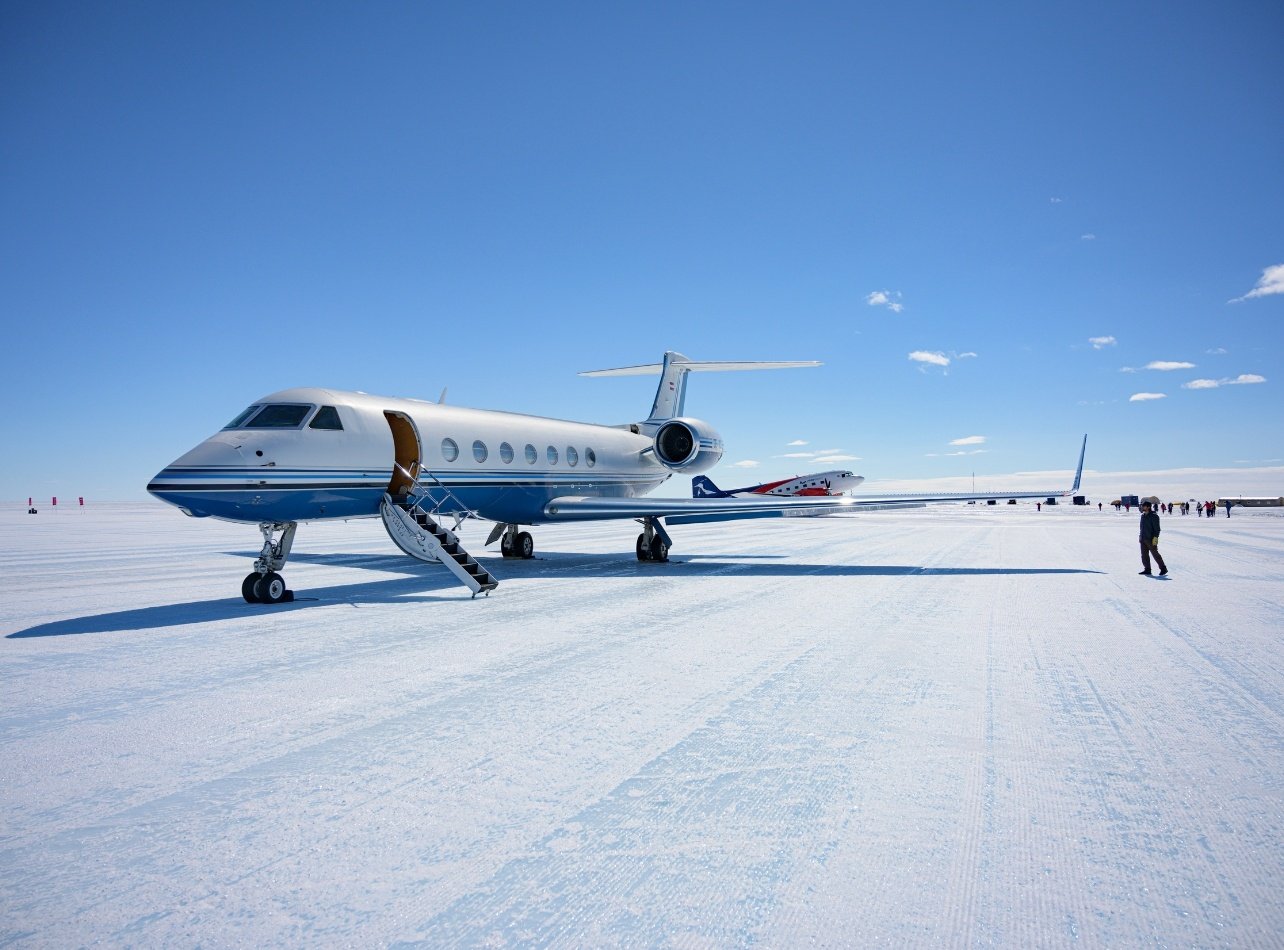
(411, 521)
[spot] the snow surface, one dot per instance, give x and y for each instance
(956, 725)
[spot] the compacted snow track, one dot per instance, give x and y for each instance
(959, 726)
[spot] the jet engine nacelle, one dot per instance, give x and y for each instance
(688, 445)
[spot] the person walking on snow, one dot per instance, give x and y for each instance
(1150, 540)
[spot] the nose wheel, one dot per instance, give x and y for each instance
(264, 585)
(266, 588)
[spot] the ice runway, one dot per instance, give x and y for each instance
(957, 725)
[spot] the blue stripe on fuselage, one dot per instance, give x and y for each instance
(259, 495)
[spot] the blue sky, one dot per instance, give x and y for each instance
(204, 202)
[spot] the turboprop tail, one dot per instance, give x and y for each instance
(702, 487)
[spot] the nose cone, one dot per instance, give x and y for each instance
(200, 482)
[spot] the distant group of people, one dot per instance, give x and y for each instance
(1205, 509)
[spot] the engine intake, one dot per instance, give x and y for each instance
(688, 445)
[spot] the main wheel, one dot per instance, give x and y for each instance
(247, 587)
(506, 546)
(644, 550)
(271, 588)
(659, 550)
(524, 546)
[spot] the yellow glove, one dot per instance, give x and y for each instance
(1155, 544)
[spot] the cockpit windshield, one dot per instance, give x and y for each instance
(240, 420)
(279, 416)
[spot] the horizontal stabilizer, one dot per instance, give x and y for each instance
(670, 397)
(722, 366)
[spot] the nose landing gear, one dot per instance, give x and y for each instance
(264, 585)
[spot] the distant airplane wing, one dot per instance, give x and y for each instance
(697, 510)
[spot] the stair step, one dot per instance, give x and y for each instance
(416, 533)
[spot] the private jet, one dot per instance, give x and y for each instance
(311, 454)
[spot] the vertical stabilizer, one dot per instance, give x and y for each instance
(671, 394)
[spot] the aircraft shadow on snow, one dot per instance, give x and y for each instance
(426, 583)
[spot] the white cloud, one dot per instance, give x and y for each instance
(1127, 369)
(969, 440)
(1100, 341)
(1056, 201)
(828, 459)
(1146, 397)
(797, 455)
(965, 356)
(1271, 282)
(935, 359)
(1219, 351)
(1243, 379)
(747, 463)
(891, 299)
(1168, 365)
(799, 442)
(1087, 237)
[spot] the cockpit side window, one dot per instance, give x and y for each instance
(279, 416)
(327, 417)
(240, 420)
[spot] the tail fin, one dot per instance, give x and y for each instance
(671, 396)
(702, 487)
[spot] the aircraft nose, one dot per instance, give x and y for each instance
(197, 480)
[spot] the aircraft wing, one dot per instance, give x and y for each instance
(697, 510)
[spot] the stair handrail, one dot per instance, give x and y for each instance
(421, 493)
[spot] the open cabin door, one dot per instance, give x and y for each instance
(405, 444)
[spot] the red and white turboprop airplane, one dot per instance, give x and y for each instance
(818, 485)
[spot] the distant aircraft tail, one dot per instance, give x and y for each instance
(670, 397)
(702, 487)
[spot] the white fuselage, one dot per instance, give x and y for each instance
(339, 456)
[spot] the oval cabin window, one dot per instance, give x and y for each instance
(505, 452)
(479, 450)
(449, 450)
(572, 457)
(531, 455)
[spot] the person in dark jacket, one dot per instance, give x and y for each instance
(1150, 540)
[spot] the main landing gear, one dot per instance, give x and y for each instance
(516, 544)
(264, 585)
(654, 542)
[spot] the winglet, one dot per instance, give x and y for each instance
(1078, 472)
